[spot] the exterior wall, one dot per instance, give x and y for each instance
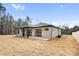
(46, 34)
(25, 32)
(20, 33)
(56, 32)
(59, 31)
(33, 32)
(52, 32)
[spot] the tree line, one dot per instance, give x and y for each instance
(68, 31)
(8, 25)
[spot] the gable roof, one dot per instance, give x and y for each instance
(39, 25)
(42, 24)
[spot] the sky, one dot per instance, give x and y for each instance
(51, 13)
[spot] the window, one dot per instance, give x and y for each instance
(18, 31)
(38, 32)
(46, 29)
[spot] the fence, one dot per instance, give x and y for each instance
(76, 35)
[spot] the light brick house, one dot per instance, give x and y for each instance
(41, 31)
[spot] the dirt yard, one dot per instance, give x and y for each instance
(16, 46)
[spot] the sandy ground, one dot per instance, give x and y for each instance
(11, 45)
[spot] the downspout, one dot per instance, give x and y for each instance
(51, 32)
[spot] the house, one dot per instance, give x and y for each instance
(41, 31)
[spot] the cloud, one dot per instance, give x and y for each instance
(73, 23)
(17, 6)
(70, 24)
(55, 23)
(61, 6)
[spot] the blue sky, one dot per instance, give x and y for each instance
(52, 13)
